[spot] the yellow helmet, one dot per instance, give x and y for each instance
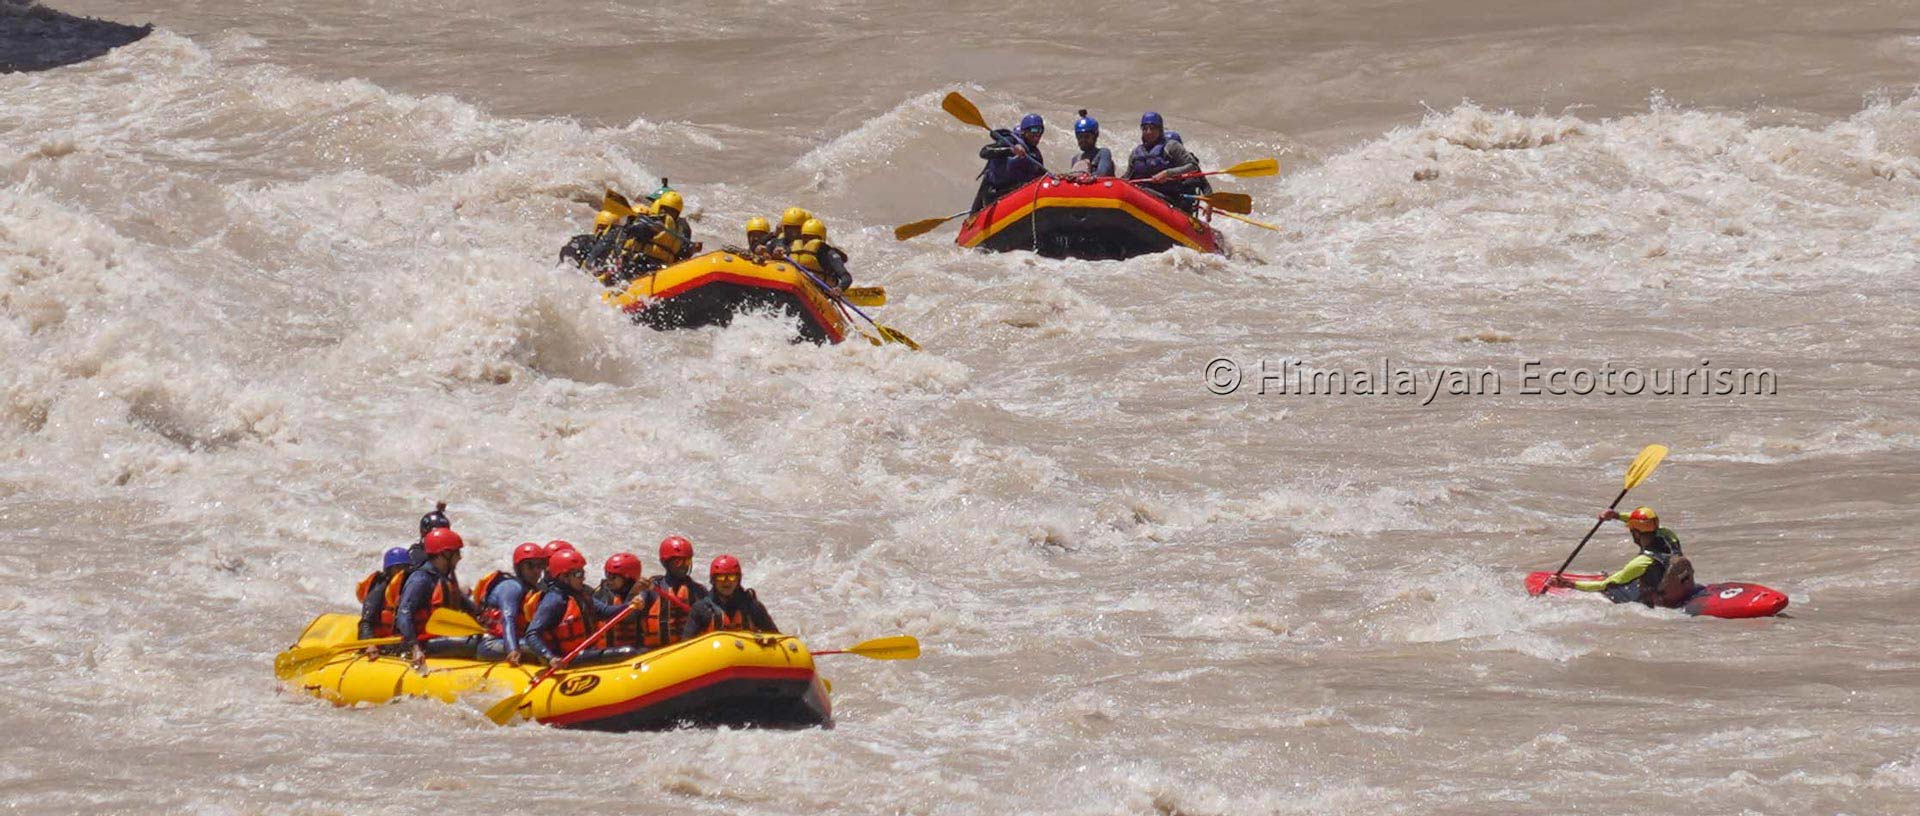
(794, 216)
(1643, 519)
(814, 228)
(604, 219)
(669, 200)
(758, 224)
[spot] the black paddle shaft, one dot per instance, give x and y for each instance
(1589, 536)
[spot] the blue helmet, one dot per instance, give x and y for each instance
(396, 557)
(1151, 118)
(1032, 121)
(1085, 124)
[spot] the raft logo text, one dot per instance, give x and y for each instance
(1288, 377)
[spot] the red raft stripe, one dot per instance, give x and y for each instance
(1020, 203)
(677, 689)
(829, 326)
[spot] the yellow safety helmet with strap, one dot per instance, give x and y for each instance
(758, 224)
(669, 201)
(814, 228)
(794, 216)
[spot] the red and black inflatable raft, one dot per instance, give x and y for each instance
(1086, 218)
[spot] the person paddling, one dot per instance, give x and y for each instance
(1160, 159)
(431, 586)
(665, 620)
(1660, 575)
(730, 607)
(376, 618)
(1012, 160)
(502, 597)
(619, 586)
(564, 614)
(1094, 161)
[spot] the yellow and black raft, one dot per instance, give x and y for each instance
(722, 678)
(708, 290)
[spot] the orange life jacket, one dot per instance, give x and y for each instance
(664, 619)
(444, 595)
(627, 631)
(570, 632)
(384, 628)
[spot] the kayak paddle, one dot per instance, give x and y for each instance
(1637, 472)
(898, 647)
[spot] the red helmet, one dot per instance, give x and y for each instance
(724, 565)
(555, 546)
(529, 552)
(441, 539)
(565, 561)
(1643, 519)
(675, 547)
(626, 565)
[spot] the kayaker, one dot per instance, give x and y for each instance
(563, 614)
(814, 254)
(431, 586)
(502, 597)
(1094, 161)
(731, 607)
(376, 618)
(1160, 158)
(1011, 160)
(666, 620)
(1659, 576)
(617, 588)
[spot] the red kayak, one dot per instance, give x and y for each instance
(1086, 218)
(1730, 600)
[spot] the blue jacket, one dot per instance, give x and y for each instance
(507, 594)
(1006, 170)
(417, 594)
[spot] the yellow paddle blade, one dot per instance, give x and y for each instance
(1231, 202)
(1245, 219)
(1644, 464)
(303, 659)
(1257, 167)
(893, 335)
(617, 204)
(918, 228)
(898, 647)
(963, 110)
(503, 712)
(453, 623)
(868, 296)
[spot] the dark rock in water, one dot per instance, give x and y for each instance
(36, 38)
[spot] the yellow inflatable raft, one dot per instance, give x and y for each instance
(723, 678)
(708, 290)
